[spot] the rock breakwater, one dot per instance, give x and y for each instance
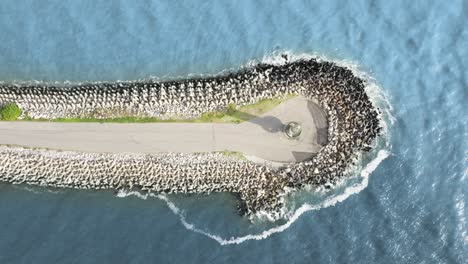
(353, 124)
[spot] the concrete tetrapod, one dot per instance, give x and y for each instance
(350, 126)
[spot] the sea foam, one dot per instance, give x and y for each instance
(363, 172)
(331, 201)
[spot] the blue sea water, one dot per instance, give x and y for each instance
(405, 203)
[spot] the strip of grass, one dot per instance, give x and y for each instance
(231, 114)
(128, 119)
(234, 154)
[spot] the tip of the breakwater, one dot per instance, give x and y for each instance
(351, 124)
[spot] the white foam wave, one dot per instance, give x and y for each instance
(378, 98)
(377, 95)
(331, 201)
(26, 188)
(123, 194)
(282, 57)
(36, 190)
(461, 212)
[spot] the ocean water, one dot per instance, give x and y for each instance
(406, 202)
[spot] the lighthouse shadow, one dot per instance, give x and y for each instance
(270, 124)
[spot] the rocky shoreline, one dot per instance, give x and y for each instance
(353, 124)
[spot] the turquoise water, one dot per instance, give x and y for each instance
(406, 203)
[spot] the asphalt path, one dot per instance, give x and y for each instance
(261, 136)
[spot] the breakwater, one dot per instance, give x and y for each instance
(352, 126)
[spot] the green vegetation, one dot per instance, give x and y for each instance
(10, 112)
(234, 154)
(100, 120)
(232, 114)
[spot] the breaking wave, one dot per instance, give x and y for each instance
(331, 201)
(360, 172)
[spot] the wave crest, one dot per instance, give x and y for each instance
(362, 171)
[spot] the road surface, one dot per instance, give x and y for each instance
(261, 136)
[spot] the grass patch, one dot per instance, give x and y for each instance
(232, 114)
(264, 105)
(127, 119)
(234, 154)
(107, 120)
(10, 112)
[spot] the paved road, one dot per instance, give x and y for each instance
(261, 136)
